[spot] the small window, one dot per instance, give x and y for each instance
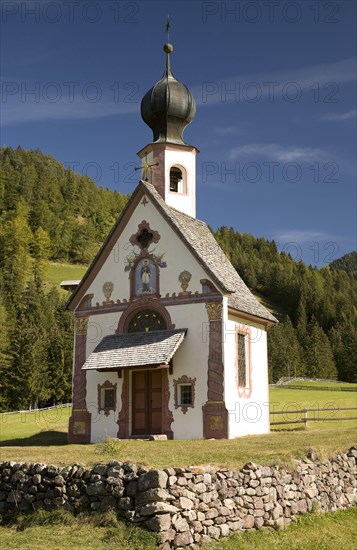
(242, 359)
(177, 180)
(107, 397)
(186, 394)
(146, 320)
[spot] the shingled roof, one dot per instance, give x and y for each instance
(135, 349)
(202, 243)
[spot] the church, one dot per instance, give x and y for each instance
(169, 341)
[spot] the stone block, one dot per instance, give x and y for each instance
(197, 526)
(277, 511)
(159, 523)
(248, 522)
(258, 523)
(214, 532)
(185, 503)
(224, 530)
(152, 479)
(183, 539)
(153, 495)
(180, 524)
(168, 534)
(157, 508)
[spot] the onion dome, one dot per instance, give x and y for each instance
(168, 107)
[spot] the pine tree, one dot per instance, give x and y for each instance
(15, 239)
(343, 339)
(284, 352)
(41, 248)
(5, 355)
(318, 353)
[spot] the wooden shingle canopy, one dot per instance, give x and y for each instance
(135, 349)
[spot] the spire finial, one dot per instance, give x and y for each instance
(168, 48)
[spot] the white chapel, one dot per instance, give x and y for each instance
(168, 338)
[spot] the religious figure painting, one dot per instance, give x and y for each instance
(145, 277)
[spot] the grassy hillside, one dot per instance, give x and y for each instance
(58, 272)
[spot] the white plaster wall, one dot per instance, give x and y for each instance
(184, 202)
(247, 415)
(177, 256)
(102, 426)
(190, 359)
(100, 326)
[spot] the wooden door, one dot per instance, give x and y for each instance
(147, 402)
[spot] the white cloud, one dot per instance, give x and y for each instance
(228, 130)
(340, 116)
(299, 236)
(273, 84)
(275, 152)
(17, 111)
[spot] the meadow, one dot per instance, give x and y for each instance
(57, 272)
(41, 437)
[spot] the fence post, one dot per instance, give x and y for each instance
(305, 417)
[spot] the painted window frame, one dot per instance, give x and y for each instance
(178, 384)
(184, 184)
(102, 388)
(243, 330)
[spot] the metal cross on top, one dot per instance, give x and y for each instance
(168, 27)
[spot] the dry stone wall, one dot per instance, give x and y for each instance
(187, 506)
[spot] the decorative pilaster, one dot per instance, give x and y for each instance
(167, 416)
(215, 415)
(80, 421)
(123, 418)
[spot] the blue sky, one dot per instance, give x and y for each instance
(275, 85)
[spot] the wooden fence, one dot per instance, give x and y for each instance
(315, 388)
(316, 418)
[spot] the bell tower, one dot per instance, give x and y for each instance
(167, 108)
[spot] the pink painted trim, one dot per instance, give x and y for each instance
(246, 391)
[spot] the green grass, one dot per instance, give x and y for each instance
(59, 530)
(315, 383)
(282, 399)
(331, 531)
(35, 427)
(41, 437)
(56, 272)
